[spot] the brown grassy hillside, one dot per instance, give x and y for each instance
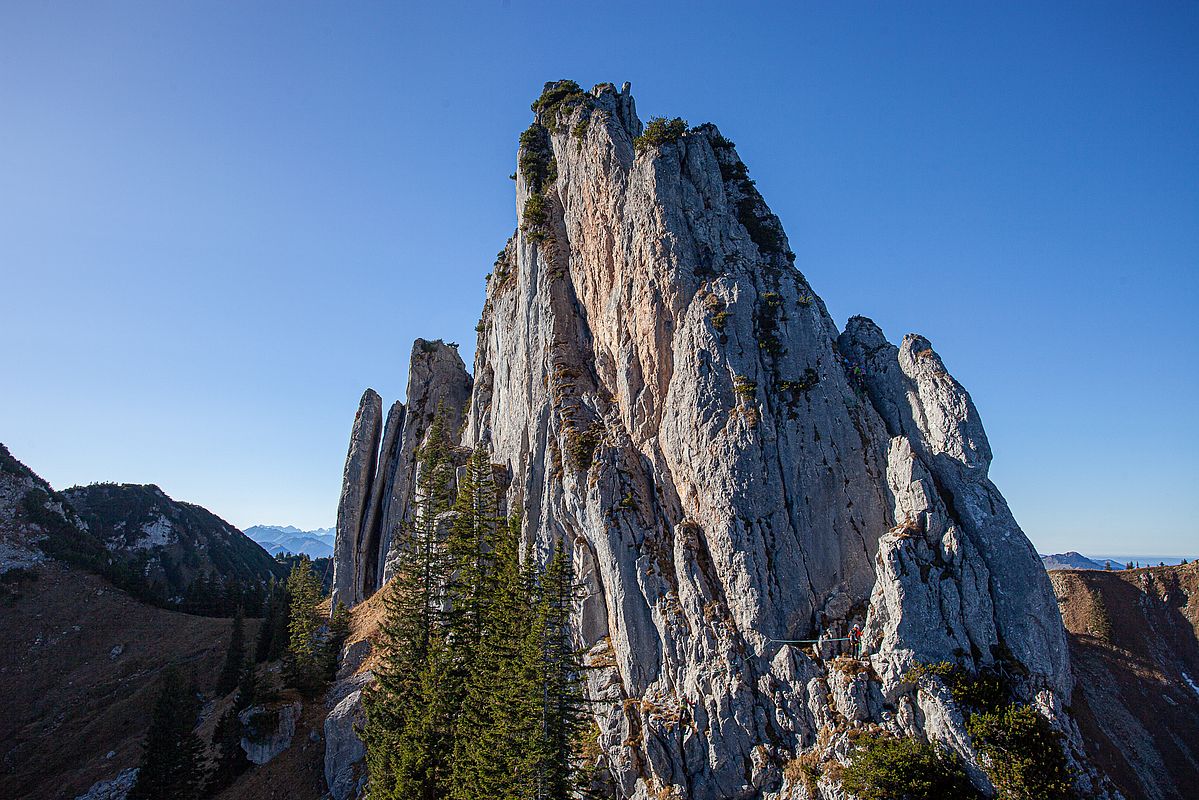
(69, 697)
(1134, 646)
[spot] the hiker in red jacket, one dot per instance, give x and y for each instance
(855, 641)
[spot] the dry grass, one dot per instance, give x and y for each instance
(69, 701)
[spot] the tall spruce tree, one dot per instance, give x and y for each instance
(171, 761)
(305, 662)
(500, 744)
(470, 545)
(272, 636)
(408, 711)
(565, 716)
(248, 688)
(229, 758)
(479, 693)
(339, 631)
(236, 656)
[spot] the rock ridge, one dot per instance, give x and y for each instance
(730, 471)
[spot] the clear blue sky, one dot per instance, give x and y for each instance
(221, 221)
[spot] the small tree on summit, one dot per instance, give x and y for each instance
(170, 765)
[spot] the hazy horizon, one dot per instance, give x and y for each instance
(221, 224)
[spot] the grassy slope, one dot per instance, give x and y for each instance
(68, 701)
(1132, 635)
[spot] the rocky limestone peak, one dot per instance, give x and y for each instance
(380, 466)
(357, 479)
(731, 473)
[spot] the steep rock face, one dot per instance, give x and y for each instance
(675, 406)
(381, 466)
(437, 379)
(672, 402)
(355, 497)
(368, 573)
(949, 456)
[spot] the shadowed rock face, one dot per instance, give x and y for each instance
(1001, 599)
(355, 498)
(381, 464)
(676, 407)
(437, 378)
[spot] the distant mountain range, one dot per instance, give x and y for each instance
(1070, 560)
(1073, 560)
(277, 539)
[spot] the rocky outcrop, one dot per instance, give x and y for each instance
(943, 457)
(268, 730)
(355, 497)
(116, 789)
(378, 478)
(37, 522)
(674, 406)
(437, 379)
(345, 770)
(369, 570)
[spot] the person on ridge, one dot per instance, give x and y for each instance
(855, 640)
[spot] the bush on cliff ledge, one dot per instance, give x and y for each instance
(886, 768)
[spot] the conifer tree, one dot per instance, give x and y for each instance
(409, 715)
(248, 688)
(230, 760)
(171, 761)
(470, 545)
(236, 655)
(304, 664)
(339, 631)
(500, 747)
(272, 636)
(565, 710)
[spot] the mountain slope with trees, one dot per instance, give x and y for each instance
(174, 553)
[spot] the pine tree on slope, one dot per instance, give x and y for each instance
(566, 715)
(304, 664)
(470, 545)
(230, 760)
(236, 655)
(408, 714)
(501, 745)
(171, 762)
(272, 636)
(339, 631)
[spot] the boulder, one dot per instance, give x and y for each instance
(268, 730)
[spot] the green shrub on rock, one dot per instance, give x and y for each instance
(1022, 753)
(885, 768)
(660, 131)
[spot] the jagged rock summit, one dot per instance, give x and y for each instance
(381, 463)
(674, 405)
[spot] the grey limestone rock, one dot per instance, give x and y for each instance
(355, 497)
(116, 789)
(381, 467)
(268, 730)
(345, 769)
(730, 473)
